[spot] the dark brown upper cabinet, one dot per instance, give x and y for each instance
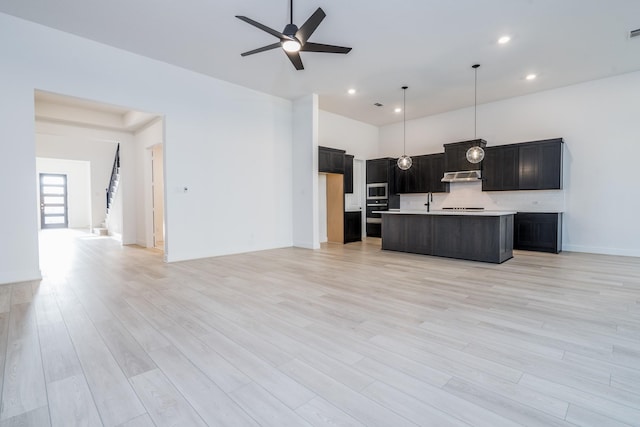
(455, 155)
(348, 173)
(331, 160)
(500, 170)
(540, 165)
(380, 170)
(535, 165)
(424, 175)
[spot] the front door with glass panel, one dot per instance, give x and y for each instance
(53, 201)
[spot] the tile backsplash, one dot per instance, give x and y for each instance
(470, 194)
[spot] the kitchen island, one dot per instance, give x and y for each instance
(477, 236)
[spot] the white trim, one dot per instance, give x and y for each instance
(601, 251)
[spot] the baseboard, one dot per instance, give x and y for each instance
(601, 251)
(7, 277)
(306, 245)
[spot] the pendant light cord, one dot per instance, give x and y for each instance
(475, 102)
(291, 12)
(404, 120)
(475, 106)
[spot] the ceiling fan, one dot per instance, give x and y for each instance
(294, 40)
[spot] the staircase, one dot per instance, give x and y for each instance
(110, 191)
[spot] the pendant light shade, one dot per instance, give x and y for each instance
(475, 154)
(404, 162)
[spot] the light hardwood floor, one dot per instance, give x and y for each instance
(344, 336)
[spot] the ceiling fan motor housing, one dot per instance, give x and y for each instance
(290, 30)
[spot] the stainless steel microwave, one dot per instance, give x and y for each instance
(377, 191)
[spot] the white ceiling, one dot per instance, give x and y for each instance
(428, 45)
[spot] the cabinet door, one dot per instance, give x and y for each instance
(419, 177)
(336, 162)
(500, 168)
(418, 234)
(377, 171)
(528, 166)
(348, 173)
(324, 160)
(540, 165)
(400, 179)
(436, 172)
(538, 232)
(550, 167)
(491, 169)
(510, 163)
(352, 227)
(453, 158)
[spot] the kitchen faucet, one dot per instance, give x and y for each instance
(429, 200)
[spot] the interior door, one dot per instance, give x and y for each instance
(53, 201)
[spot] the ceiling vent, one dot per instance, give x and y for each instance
(634, 33)
(377, 104)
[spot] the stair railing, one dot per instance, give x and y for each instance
(114, 175)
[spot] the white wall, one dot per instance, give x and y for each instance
(305, 173)
(231, 206)
(599, 123)
(356, 138)
(97, 146)
(78, 188)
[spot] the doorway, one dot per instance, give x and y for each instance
(53, 201)
(157, 185)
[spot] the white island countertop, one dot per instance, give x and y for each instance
(448, 212)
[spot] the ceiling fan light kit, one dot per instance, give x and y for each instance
(294, 40)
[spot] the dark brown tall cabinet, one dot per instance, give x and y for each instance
(336, 162)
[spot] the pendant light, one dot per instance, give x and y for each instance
(404, 162)
(475, 154)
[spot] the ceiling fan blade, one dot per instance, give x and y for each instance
(262, 27)
(262, 49)
(295, 59)
(310, 25)
(317, 47)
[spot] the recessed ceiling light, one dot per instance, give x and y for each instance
(531, 76)
(504, 40)
(351, 91)
(398, 110)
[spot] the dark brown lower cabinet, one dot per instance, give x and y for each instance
(475, 238)
(352, 227)
(541, 232)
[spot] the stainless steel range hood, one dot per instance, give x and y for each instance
(462, 176)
